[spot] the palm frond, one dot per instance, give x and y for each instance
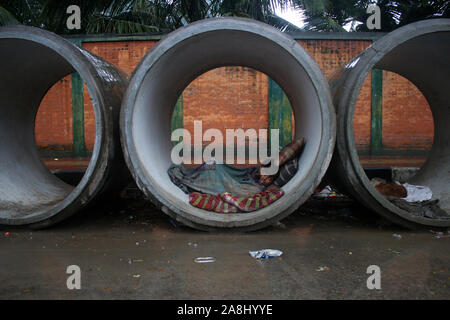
(322, 23)
(105, 24)
(6, 18)
(24, 11)
(282, 24)
(312, 6)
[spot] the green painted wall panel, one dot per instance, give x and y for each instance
(177, 116)
(376, 128)
(280, 113)
(79, 145)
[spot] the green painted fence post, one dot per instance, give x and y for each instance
(376, 128)
(177, 117)
(280, 113)
(79, 144)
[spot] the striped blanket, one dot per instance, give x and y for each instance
(227, 203)
(225, 189)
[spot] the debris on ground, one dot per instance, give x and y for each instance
(394, 251)
(428, 208)
(320, 269)
(405, 191)
(327, 192)
(417, 193)
(439, 236)
(266, 253)
(411, 198)
(329, 204)
(204, 259)
(279, 225)
(397, 236)
(389, 189)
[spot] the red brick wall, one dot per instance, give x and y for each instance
(235, 97)
(54, 118)
(123, 54)
(362, 116)
(227, 98)
(330, 55)
(407, 118)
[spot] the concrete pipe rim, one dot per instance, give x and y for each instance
(360, 67)
(199, 34)
(93, 178)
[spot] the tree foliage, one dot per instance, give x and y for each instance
(134, 16)
(137, 16)
(329, 15)
(23, 11)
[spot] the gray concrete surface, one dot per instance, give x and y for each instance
(419, 53)
(31, 62)
(192, 50)
(134, 252)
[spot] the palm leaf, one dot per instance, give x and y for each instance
(105, 24)
(282, 24)
(6, 18)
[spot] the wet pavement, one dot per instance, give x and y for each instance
(133, 251)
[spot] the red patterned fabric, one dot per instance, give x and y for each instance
(211, 203)
(227, 203)
(255, 202)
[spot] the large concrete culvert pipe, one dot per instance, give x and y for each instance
(420, 53)
(185, 54)
(31, 61)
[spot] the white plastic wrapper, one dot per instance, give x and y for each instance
(417, 193)
(265, 254)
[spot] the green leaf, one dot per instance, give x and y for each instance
(6, 18)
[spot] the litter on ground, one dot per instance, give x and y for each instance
(204, 259)
(320, 269)
(265, 254)
(417, 193)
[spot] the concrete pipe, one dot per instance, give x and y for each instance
(185, 54)
(420, 53)
(31, 61)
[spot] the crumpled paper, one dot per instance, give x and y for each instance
(265, 253)
(417, 193)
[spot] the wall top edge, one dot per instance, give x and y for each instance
(302, 35)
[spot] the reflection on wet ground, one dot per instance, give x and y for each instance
(130, 250)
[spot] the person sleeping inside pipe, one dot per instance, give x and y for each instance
(223, 188)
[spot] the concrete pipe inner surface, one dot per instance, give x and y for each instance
(184, 55)
(31, 61)
(420, 53)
